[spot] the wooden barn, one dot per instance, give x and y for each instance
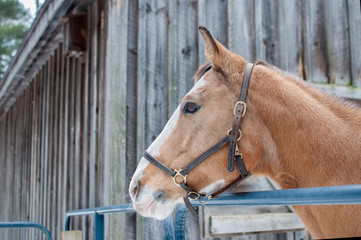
(94, 82)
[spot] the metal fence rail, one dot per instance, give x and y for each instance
(26, 225)
(334, 195)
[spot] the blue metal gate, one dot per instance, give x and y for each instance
(334, 195)
(26, 225)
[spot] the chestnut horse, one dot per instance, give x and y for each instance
(292, 133)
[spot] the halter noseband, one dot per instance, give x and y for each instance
(234, 135)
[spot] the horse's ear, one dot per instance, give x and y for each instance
(219, 55)
(215, 51)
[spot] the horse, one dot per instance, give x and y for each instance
(290, 132)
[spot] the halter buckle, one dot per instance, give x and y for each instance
(178, 173)
(244, 108)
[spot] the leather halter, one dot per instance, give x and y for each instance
(234, 135)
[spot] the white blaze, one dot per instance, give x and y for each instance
(153, 149)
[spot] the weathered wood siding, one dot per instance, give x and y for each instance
(73, 137)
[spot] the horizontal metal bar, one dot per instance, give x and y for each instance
(26, 225)
(98, 210)
(348, 194)
(102, 210)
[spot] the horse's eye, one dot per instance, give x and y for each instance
(207, 69)
(190, 107)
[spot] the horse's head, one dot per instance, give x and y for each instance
(203, 117)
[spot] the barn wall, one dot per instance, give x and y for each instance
(72, 138)
(52, 141)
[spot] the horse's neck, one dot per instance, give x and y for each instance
(316, 139)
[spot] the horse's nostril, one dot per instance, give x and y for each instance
(134, 189)
(159, 196)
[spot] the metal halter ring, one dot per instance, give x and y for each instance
(240, 134)
(196, 195)
(204, 198)
(244, 107)
(178, 173)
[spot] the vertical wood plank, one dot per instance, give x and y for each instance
(37, 174)
(9, 165)
(213, 15)
(27, 158)
(93, 98)
(85, 127)
(71, 138)
(241, 31)
(3, 162)
(173, 53)
(77, 127)
(267, 32)
(83, 169)
(65, 191)
(182, 50)
(354, 23)
(93, 111)
(60, 140)
(120, 83)
(21, 160)
(49, 141)
(39, 177)
(290, 36)
(28, 122)
(33, 152)
(16, 168)
(152, 85)
(99, 56)
(317, 65)
(55, 218)
(337, 42)
(44, 145)
(131, 115)
(141, 103)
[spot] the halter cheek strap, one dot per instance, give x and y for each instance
(239, 112)
(179, 176)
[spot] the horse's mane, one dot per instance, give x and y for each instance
(333, 101)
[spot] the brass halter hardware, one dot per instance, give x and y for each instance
(195, 194)
(244, 107)
(240, 134)
(178, 173)
(236, 152)
(202, 198)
